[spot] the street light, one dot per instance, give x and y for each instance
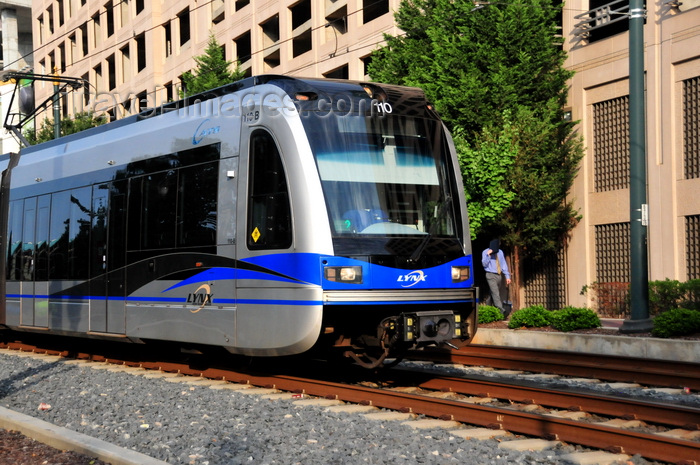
(639, 320)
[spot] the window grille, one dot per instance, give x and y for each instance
(691, 127)
(612, 252)
(545, 283)
(611, 144)
(692, 246)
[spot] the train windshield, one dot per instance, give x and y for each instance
(384, 175)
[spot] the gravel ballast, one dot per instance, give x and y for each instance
(189, 424)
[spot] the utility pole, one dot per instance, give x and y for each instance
(56, 107)
(639, 214)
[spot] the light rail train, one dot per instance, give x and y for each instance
(269, 217)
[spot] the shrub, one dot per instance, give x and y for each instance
(676, 322)
(611, 299)
(692, 295)
(571, 318)
(533, 316)
(489, 314)
(665, 295)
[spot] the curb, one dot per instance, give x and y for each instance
(65, 439)
(625, 346)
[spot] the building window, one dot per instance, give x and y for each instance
(169, 91)
(97, 30)
(140, 52)
(167, 31)
(691, 127)
(73, 49)
(611, 143)
(49, 16)
(338, 73)
(241, 3)
(62, 57)
(366, 61)
(111, 72)
(86, 90)
(337, 23)
(373, 9)
(692, 246)
(271, 36)
(612, 252)
(51, 62)
(84, 39)
(142, 100)
(126, 63)
(301, 27)
(243, 47)
(109, 17)
(61, 16)
(218, 11)
(271, 31)
(40, 29)
(99, 83)
(139, 6)
(124, 13)
(184, 21)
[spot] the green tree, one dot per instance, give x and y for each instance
(496, 76)
(212, 70)
(69, 125)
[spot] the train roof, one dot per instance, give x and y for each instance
(308, 92)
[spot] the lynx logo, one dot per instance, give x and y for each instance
(412, 278)
(200, 298)
(200, 134)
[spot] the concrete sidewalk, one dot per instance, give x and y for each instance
(65, 439)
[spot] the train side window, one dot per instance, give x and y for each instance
(14, 240)
(158, 210)
(133, 232)
(197, 188)
(41, 271)
(269, 213)
(79, 233)
(58, 235)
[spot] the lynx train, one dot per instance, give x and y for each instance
(269, 217)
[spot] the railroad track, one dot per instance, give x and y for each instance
(519, 409)
(605, 367)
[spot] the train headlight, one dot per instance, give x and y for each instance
(343, 274)
(460, 273)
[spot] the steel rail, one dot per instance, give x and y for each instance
(651, 446)
(607, 367)
(655, 412)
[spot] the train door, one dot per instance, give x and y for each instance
(27, 263)
(41, 262)
(264, 244)
(107, 311)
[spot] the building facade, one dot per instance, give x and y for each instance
(134, 52)
(598, 252)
